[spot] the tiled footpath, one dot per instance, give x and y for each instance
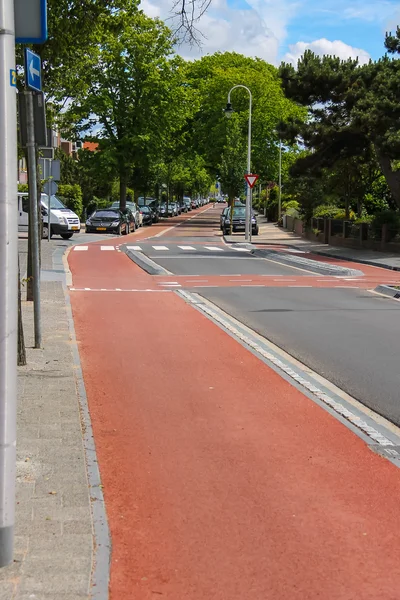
(61, 545)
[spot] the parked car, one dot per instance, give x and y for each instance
(147, 215)
(155, 212)
(63, 221)
(239, 221)
(111, 220)
(193, 204)
(175, 207)
(222, 217)
(187, 202)
(133, 208)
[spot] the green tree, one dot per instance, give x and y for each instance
(233, 164)
(352, 109)
(211, 78)
(133, 87)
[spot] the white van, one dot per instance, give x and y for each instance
(63, 221)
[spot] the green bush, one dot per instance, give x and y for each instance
(290, 204)
(23, 187)
(130, 194)
(328, 211)
(71, 196)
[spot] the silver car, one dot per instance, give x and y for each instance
(134, 210)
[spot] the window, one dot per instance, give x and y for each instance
(25, 204)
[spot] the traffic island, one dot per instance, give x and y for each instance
(392, 291)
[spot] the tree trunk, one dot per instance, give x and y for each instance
(123, 184)
(21, 341)
(392, 177)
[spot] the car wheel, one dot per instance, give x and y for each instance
(66, 236)
(127, 229)
(255, 231)
(45, 232)
(118, 230)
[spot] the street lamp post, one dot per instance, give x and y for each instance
(280, 179)
(228, 112)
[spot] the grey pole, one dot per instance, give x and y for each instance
(280, 180)
(8, 281)
(247, 236)
(33, 216)
(48, 208)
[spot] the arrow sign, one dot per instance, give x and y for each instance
(251, 178)
(33, 75)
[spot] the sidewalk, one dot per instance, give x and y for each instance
(270, 233)
(56, 541)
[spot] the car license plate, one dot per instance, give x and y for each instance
(101, 228)
(75, 227)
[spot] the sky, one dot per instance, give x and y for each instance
(281, 30)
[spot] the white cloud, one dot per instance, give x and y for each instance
(258, 30)
(324, 46)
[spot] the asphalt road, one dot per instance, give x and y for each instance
(194, 258)
(351, 337)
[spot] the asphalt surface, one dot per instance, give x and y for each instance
(190, 257)
(351, 337)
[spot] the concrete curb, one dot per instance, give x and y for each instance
(102, 541)
(308, 264)
(357, 260)
(388, 290)
(145, 263)
(362, 261)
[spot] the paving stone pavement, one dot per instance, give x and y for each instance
(54, 542)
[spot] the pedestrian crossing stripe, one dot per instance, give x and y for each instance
(163, 248)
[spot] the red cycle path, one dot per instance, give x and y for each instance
(221, 480)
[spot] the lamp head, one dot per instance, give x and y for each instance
(228, 110)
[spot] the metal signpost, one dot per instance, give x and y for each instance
(33, 80)
(9, 255)
(251, 179)
(8, 280)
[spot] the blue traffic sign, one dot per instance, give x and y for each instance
(33, 70)
(30, 17)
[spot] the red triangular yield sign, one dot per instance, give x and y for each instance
(251, 178)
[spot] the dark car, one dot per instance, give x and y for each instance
(147, 215)
(194, 204)
(239, 221)
(133, 208)
(155, 212)
(111, 220)
(188, 203)
(222, 218)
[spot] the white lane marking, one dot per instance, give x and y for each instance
(167, 282)
(347, 287)
(118, 290)
(186, 247)
(296, 251)
(241, 249)
(254, 285)
(160, 248)
(228, 323)
(170, 284)
(137, 248)
(107, 248)
(80, 248)
(216, 248)
(115, 290)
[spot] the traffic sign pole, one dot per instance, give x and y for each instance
(33, 217)
(8, 280)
